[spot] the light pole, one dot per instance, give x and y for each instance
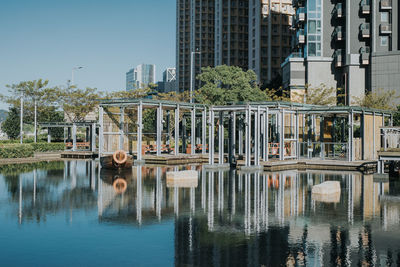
(191, 74)
(72, 73)
(21, 130)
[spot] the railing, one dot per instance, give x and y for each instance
(339, 10)
(300, 14)
(385, 28)
(364, 52)
(386, 4)
(390, 137)
(365, 6)
(324, 150)
(300, 34)
(338, 56)
(365, 30)
(338, 33)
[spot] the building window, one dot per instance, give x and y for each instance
(384, 17)
(384, 41)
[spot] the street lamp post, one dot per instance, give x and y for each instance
(191, 74)
(72, 73)
(21, 130)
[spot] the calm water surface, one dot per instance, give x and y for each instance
(69, 213)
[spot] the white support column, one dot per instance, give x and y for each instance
(204, 131)
(211, 138)
(74, 137)
(248, 137)
(297, 135)
(350, 141)
(121, 128)
(257, 137)
(139, 131)
(263, 132)
(221, 138)
(267, 134)
(101, 130)
(234, 133)
(93, 137)
(159, 128)
(373, 137)
(48, 135)
(240, 145)
(282, 135)
(193, 131)
(177, 111)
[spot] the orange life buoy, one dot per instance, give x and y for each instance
(120, 185)
(120, 157)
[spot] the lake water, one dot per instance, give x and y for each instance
(67, 213)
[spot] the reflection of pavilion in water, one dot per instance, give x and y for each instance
(261, 218)
(44, 192)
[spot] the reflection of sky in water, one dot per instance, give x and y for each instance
(69, 213)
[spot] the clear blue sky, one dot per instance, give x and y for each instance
(47, 38)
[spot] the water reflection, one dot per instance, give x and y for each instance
(227, 218)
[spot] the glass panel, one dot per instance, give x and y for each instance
(311, 26)
(311, 49)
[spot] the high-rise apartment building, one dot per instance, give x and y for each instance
(345, 44)
(230, 32)
(140, 77)
(270, 32)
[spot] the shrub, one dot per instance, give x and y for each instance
(45, 147)
(16, 151)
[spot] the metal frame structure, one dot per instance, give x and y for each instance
(70, 132)
(257, 131)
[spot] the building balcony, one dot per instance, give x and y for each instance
(298, 3)
(338, 11)
(300, 15)
(365, 30)
(385, 28)
(301, 37)
(338, 58)
(338, 34)
(386, 4)
(365, 6)
(364, 55)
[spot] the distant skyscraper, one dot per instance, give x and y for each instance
(249, 34)
(169, 81)
(140, 77)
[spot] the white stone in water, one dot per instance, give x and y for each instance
(182, 179)
(327, 188)
(327, 198)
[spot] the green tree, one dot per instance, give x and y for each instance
(321, 95)
(75, 102)
(31, 92)
(228, 84)
(379, 99)
(396, 117)
(11, 126)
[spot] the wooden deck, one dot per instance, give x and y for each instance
(175, 160)
(78, 155)
(316, 164)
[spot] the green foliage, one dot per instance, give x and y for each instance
(379, 99)
(75, 102)
(322, 95)
(228, 84)
(138, 93)
(46, 147)
(11, 126)
(16, 151)
(15, 169)
(27, 150)
(396, 117)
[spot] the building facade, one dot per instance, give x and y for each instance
(229, 32)
(140, 77)
(344, 44)
(168, 84)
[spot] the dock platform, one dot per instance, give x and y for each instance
(316, 164)
(175, 159)
(78, 154)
